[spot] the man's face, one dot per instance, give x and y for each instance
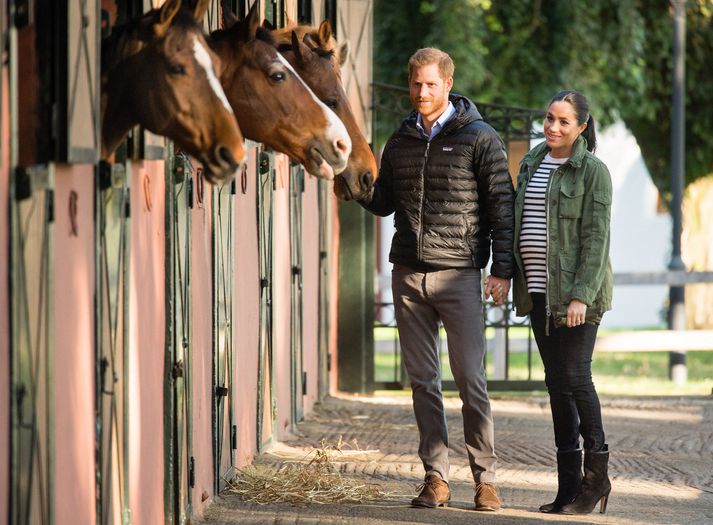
(428, 91)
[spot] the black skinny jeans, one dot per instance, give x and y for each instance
(567, 356)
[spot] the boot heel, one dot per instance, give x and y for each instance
(603, 504)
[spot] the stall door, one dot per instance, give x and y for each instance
(113, 210)
(180, 464)
(31, 224)
(298, 375)
(266, 403)
(224, 431)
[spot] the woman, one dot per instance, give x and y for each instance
(563, 280)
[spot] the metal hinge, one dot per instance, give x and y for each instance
(192, 472)
(304, 383)
(234, 437)
(221, 391)
(177, 369)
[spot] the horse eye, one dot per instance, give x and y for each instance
(176, 69)
(277, 76)
(331, 103)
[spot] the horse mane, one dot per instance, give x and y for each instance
(126, 39)
(220, 35)
(284, 39)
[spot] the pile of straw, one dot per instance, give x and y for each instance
(311, 481)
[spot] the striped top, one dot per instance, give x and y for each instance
(533, 234)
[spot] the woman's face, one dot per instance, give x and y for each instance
(561, 128)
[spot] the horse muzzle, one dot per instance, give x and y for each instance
(223, 165)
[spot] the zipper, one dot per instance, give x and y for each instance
(548, 311)
(423, 193)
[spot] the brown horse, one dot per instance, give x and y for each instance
(158, 71)
(315, 55)
(273, 104)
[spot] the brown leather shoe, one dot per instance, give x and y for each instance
(434, 493)
(486, 496)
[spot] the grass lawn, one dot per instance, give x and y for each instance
(615, 373)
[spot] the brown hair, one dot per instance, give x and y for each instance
(431, 55)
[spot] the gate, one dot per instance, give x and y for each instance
(266, 401)
(324, 356)
(177, 419)
(112, 342)
(31, 457)
(224, 429)
(298, 374)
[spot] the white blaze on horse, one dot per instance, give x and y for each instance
(273, 104)
(317, 57)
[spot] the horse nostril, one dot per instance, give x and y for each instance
(225, 156)
(367, 179)
(341, 147)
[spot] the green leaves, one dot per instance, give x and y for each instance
(520, 52)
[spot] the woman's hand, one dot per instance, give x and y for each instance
(576, 312)
(497, 288)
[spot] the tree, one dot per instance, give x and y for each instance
(520, 52)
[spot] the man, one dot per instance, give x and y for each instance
(444, 174)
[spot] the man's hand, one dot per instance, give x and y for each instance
(576, 312)
(497, 288)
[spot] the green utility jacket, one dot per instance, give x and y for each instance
(578, 201)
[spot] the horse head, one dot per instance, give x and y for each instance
(273, 104)
(158, 71)
(314, 53)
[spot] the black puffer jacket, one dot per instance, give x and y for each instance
(450, 196)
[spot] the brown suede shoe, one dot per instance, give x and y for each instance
(434, 493)
(486, 496)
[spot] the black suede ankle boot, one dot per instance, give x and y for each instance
(595, 486)
(569, 480)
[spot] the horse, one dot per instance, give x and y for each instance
(314, 53)
(273, 104)
(158, 71)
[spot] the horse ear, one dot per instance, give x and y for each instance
(252, 22)
(199, 10)
(165, 16)
(266, 24)
(324, 32)
(298, 48)
(229, 18)
(344, 51)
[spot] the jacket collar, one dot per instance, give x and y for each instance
(536, 154)
(465, 113)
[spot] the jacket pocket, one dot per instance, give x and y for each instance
(571, 200)
(567, 272)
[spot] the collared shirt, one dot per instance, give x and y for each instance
(438, 125)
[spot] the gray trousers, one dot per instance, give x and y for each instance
(454, 297)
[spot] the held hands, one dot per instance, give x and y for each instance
(576, 312)
(497, 288)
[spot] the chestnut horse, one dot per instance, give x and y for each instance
(273, 104)
(158, 71)
(315, 55)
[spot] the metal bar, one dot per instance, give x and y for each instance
(675, 278)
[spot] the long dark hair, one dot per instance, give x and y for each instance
(581, 108)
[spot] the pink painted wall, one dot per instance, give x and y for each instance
(310, 289)
(334, 287)
(4, 306)
(73, 358)
(246, 313)
(281, 297)
(202, 347)
(147, 344)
